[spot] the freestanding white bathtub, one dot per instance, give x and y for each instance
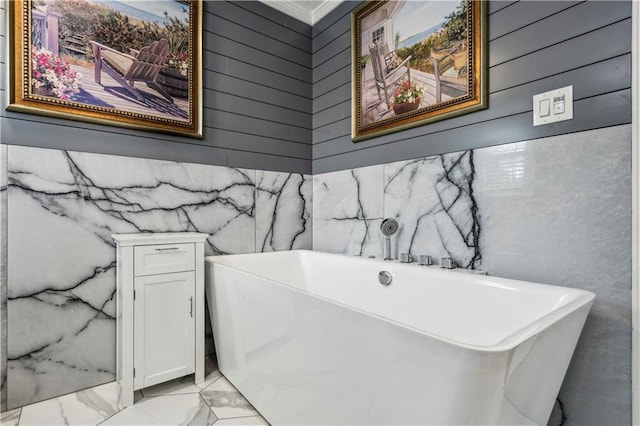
(314, 338)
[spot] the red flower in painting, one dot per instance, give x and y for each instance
(407, 92)
(53, 74)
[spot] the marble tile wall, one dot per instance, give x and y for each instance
(62, 208)
(555, 210)
(431, 198)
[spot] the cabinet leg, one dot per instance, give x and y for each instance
(199, 378)
(126, 394)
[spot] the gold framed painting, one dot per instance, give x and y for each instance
(128, 63)
(416, 62)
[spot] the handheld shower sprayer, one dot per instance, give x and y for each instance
(388, 227)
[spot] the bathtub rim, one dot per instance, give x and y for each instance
(583, 300)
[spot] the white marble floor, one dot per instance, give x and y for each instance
(178, 402)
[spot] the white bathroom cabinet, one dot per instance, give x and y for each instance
(160, 309)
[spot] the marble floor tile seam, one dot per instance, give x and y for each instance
(106, 420)
(212, 383)
(9, 415)
(68, 394)
(103, 420)
(174, 392)
(228, 390)
(17, 421)
(221, 414)
(241, 416)
(182, 387)
(199, 391)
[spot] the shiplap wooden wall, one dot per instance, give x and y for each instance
(257, 99)
(534, 46)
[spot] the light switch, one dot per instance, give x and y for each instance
(552, 106)
(558, 104)
(545, 107)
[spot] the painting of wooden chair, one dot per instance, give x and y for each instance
(386, 74)
(127, 69)
(450, 71)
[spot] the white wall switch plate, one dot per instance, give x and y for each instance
(555, 105)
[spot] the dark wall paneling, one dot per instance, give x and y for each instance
(322, 55)
(342, 11)
(256, 39)
(278, 18)
(257, 100)
(251, 72)
(227, 46)
(595, 112)
(244, 106)
(603, 77)
(247, 124)
(534, 47)
(257, 92)
(569, 23)
(332, 33)
(514, 18)
(328, 67)
(333, 81)
(248, 159)
(23, 129)
(594, 78)
(495, 6)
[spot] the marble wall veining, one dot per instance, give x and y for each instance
(62, 208)
(431, 198)
(433, 201)
(555, 210)
(283, 221)
(347, 211)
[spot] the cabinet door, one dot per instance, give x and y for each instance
(164, 336)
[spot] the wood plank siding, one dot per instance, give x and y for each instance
(257, 99)
(533, 47)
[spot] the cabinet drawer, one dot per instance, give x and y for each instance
(163, 259)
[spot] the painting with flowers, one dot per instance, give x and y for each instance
(416, 62)
(133, 63)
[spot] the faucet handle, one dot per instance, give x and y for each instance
(406, 258)
(447, 263)
(425, 259)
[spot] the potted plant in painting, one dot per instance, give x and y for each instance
(51, 76)
(174, 77)
(406, 97)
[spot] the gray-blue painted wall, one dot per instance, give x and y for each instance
(278, 94)
(534, 46)
(257, 99)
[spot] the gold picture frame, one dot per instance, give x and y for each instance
(135, 65)
(415, 63)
